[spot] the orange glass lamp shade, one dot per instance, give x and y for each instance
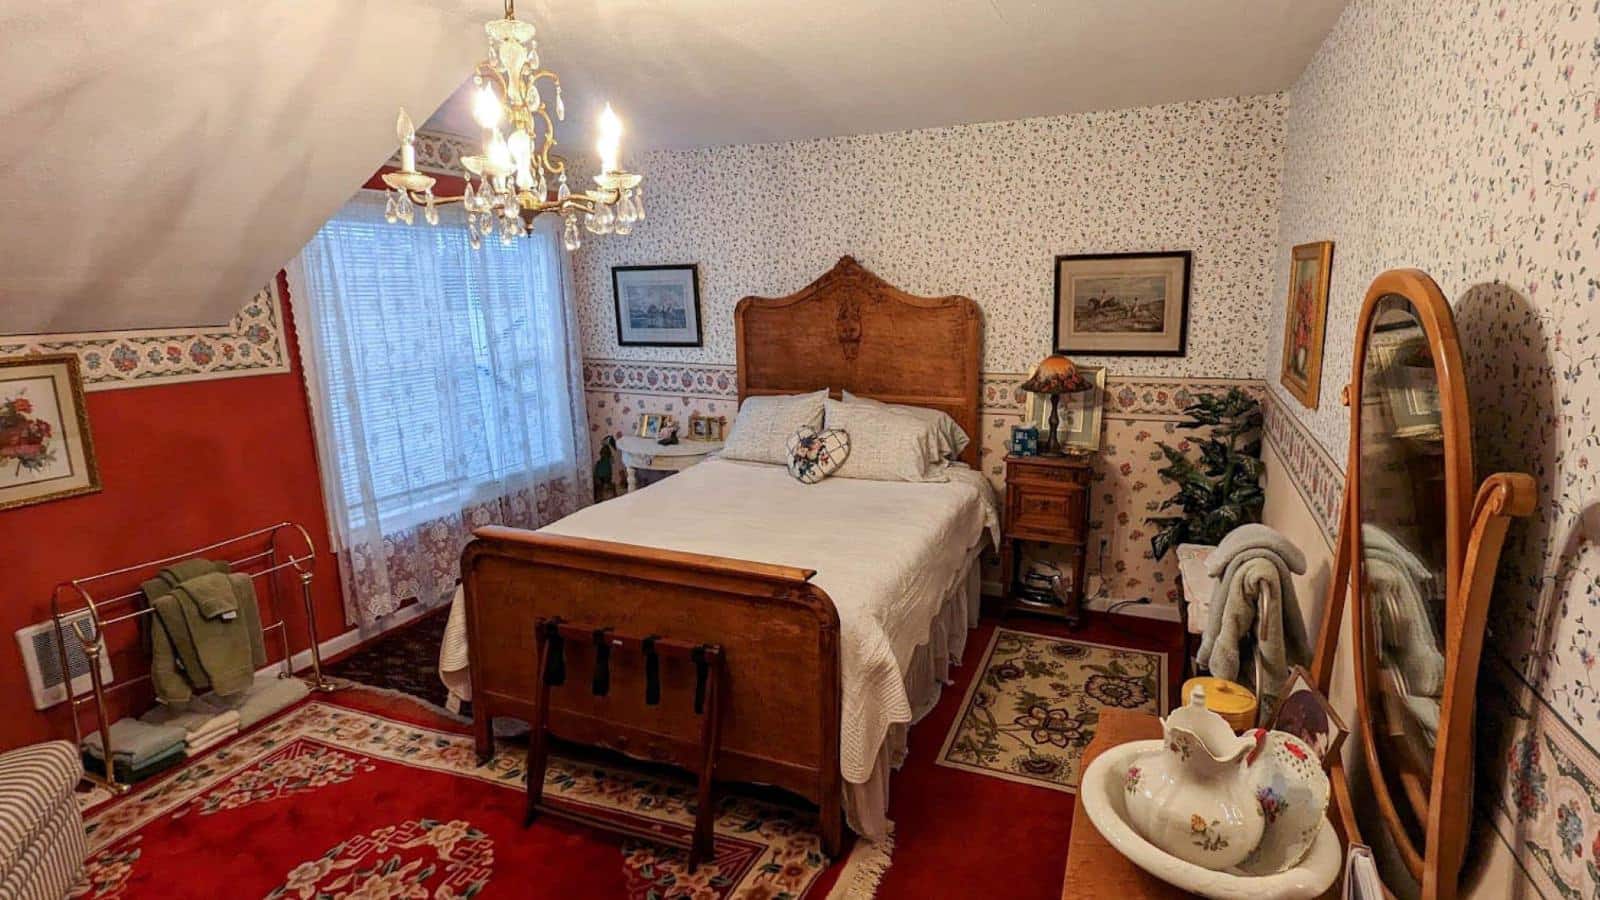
(1055, 375)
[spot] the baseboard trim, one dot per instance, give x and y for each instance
(355, 637)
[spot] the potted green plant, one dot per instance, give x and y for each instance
(1220, 490)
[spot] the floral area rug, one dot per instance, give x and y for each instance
(1034, 704)
(404, 660)
(330, 801)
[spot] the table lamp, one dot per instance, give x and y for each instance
(1055, 375)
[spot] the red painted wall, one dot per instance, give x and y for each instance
(182, 465)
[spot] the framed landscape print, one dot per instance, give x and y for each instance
(1080, 413)
(45, 449)
(657, 306)
(1309, 268)
(1122, 304)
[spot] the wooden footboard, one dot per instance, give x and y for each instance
(779, 634)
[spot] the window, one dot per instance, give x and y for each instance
(446, 370)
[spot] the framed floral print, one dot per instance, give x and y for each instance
(1305, 319)
(1123, 304)
(46, 452)
(657, 306)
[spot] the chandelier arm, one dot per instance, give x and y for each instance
(421, 199)
(549, 144)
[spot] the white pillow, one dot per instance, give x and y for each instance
(885, 445)
(948, 437)
(764, 424)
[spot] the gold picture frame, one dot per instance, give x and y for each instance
(1305, 321)
(46, 450)
(706, 428)
(1082, 414)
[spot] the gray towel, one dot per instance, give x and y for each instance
(1255, 596)
(1255, 536)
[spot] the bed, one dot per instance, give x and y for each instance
(838, 605)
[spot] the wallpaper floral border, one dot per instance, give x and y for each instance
(1314, 474)
(438, 152)
(253, 343)
(1140, 411)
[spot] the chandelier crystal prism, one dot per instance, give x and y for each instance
(517, 178)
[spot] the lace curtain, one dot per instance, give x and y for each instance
(446, 391)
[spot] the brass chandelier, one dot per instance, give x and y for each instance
(517, 176)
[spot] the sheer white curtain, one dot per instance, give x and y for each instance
(446, 389)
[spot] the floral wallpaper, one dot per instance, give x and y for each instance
(978, 210)
(251, 344)
(1139, 412)
(1460, 138)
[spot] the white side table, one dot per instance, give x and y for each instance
(645, 453)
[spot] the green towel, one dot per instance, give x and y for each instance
(213, 595)
(244, 598)
(181, 661)
(223, 646)
(175, 668)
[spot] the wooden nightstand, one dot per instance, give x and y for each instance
(1047, 500)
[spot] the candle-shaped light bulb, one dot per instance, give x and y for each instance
(521, 147)
(408, 137)
(499, 156)
(486, 107)
(609, 146)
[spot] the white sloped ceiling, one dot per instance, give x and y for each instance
(162, 158)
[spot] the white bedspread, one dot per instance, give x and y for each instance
(885, 552)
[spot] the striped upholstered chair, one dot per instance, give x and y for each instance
(42, 844)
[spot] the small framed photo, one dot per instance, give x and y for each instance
(706, 428)
(1024, 440)
(1310, 266)
(1081, 414)
(1306, 714)
(1122, 304)
(650, 424)
(46, 452)
(657, 306)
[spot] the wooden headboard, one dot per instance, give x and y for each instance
(851, 330)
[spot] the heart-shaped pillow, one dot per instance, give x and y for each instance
(814, 455)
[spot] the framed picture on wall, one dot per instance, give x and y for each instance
(46, 452)
(657, 306)
(1080, 415)
(1122, 304)
(1310, 266)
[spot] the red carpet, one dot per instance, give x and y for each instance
(360, 794)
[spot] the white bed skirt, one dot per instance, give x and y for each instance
(866, 806)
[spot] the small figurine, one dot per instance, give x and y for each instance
(606, 469)
(669, 435)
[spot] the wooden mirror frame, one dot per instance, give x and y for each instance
(1473, 540)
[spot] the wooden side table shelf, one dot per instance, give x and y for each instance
(1047, 500)
(644, 453)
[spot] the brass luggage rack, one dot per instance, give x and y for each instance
(256, 553)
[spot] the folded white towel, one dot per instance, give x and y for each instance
(197, 747)
(228, 721)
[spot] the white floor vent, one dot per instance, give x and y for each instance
(42, 661)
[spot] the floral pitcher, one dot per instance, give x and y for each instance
(1196, 797)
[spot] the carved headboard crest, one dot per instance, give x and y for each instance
(851, 330)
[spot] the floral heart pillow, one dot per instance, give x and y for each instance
(814, 455)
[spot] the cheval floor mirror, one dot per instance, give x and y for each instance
(1418, 546)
